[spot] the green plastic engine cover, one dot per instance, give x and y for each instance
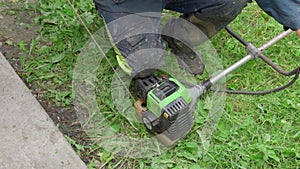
(157, 101)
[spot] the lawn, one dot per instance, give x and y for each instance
(253, 131)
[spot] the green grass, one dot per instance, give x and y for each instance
(254, 131)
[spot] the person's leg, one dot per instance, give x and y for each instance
(137, 38)
(201, 19)
(210, 16)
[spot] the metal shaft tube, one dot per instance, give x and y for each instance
(274, 40)
(216, 78)
(227, 71)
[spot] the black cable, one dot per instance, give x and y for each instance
(277, 68)
(262, 56)
(236, 36)
(263, 92)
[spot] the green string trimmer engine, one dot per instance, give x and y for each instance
(165, 105)
(168, 112)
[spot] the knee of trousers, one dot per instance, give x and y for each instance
(223, 9)
(216, 17)
(137, 38)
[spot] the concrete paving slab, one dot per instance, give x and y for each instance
(28, 137)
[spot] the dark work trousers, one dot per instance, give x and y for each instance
(137, 34)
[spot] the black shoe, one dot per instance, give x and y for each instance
(186, 57)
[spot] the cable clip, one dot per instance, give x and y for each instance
(253, 51)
